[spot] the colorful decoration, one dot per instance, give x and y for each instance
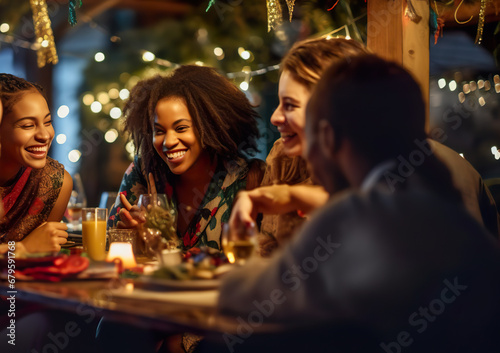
(46, 53)
(274, 14)
(412, 13)
(72, 11)
(480, 22)
(437, 23)
(210, 4)
(456, 11)
(290, 4)
(331, 8)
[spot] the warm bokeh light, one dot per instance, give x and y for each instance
(124, 94)
(481, 101)
(88, 99)
(63, 111)
(115, 113)
(244, 85)
(4, 27)
(494, 151)
(114, 93)
(45, 43)
(103, 97)
(99, 57)
(245, 55)
(148, 56)
(218, 51)
(61, 138)
(111, 135)
(452, 85)
(96, 107)
(74, 156)
(442, 83)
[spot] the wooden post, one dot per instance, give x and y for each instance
(394, 36)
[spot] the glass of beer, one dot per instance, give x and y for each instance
(239, 245)
(94, 232)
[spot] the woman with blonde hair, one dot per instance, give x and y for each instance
(283, 206)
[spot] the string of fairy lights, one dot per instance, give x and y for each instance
(474, 93)
(109, 101)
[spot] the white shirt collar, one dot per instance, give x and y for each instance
(374, 175)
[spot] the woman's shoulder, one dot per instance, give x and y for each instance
(53, 166)
(283, 169)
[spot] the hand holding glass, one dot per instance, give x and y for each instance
(240, 245)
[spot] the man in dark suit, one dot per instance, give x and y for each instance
(393, 264)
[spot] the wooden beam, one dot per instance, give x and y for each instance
(394, 36)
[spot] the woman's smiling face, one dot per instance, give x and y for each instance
(26, 133)
(175, 137)
(290, 116)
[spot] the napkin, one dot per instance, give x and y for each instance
(60, 268)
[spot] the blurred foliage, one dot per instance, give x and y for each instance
(194, 38)
(14, 11)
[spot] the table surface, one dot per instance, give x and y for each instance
(116, 300)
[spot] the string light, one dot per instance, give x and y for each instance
(124, 94)
(96, 107)
(147, 56)
(61, 138)
(99, 57)
(115, 113)
(111, 135)
(74, 156)
(63, 111)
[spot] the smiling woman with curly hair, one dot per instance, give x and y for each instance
(193, 131)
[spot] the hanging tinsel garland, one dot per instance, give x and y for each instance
(291, 5)
(274, 14)
(480, 22)
(73, 4)
(46, 53)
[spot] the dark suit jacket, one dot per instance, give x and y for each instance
(476, 196)
(402, 271)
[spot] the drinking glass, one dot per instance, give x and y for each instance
(94, 232)
(77, 201)
(239, 245)
(159, 231)
(116, 235)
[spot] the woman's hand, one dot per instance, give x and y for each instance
(243, 214)
(48, 237)
(130, 216)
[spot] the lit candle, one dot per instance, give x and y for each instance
(122, 251)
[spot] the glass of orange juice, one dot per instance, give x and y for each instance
(94, 232)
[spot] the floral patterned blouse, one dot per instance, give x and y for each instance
(205, 228)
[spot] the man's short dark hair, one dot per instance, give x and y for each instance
(374, 103)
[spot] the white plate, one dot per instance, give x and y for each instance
(192, 284)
